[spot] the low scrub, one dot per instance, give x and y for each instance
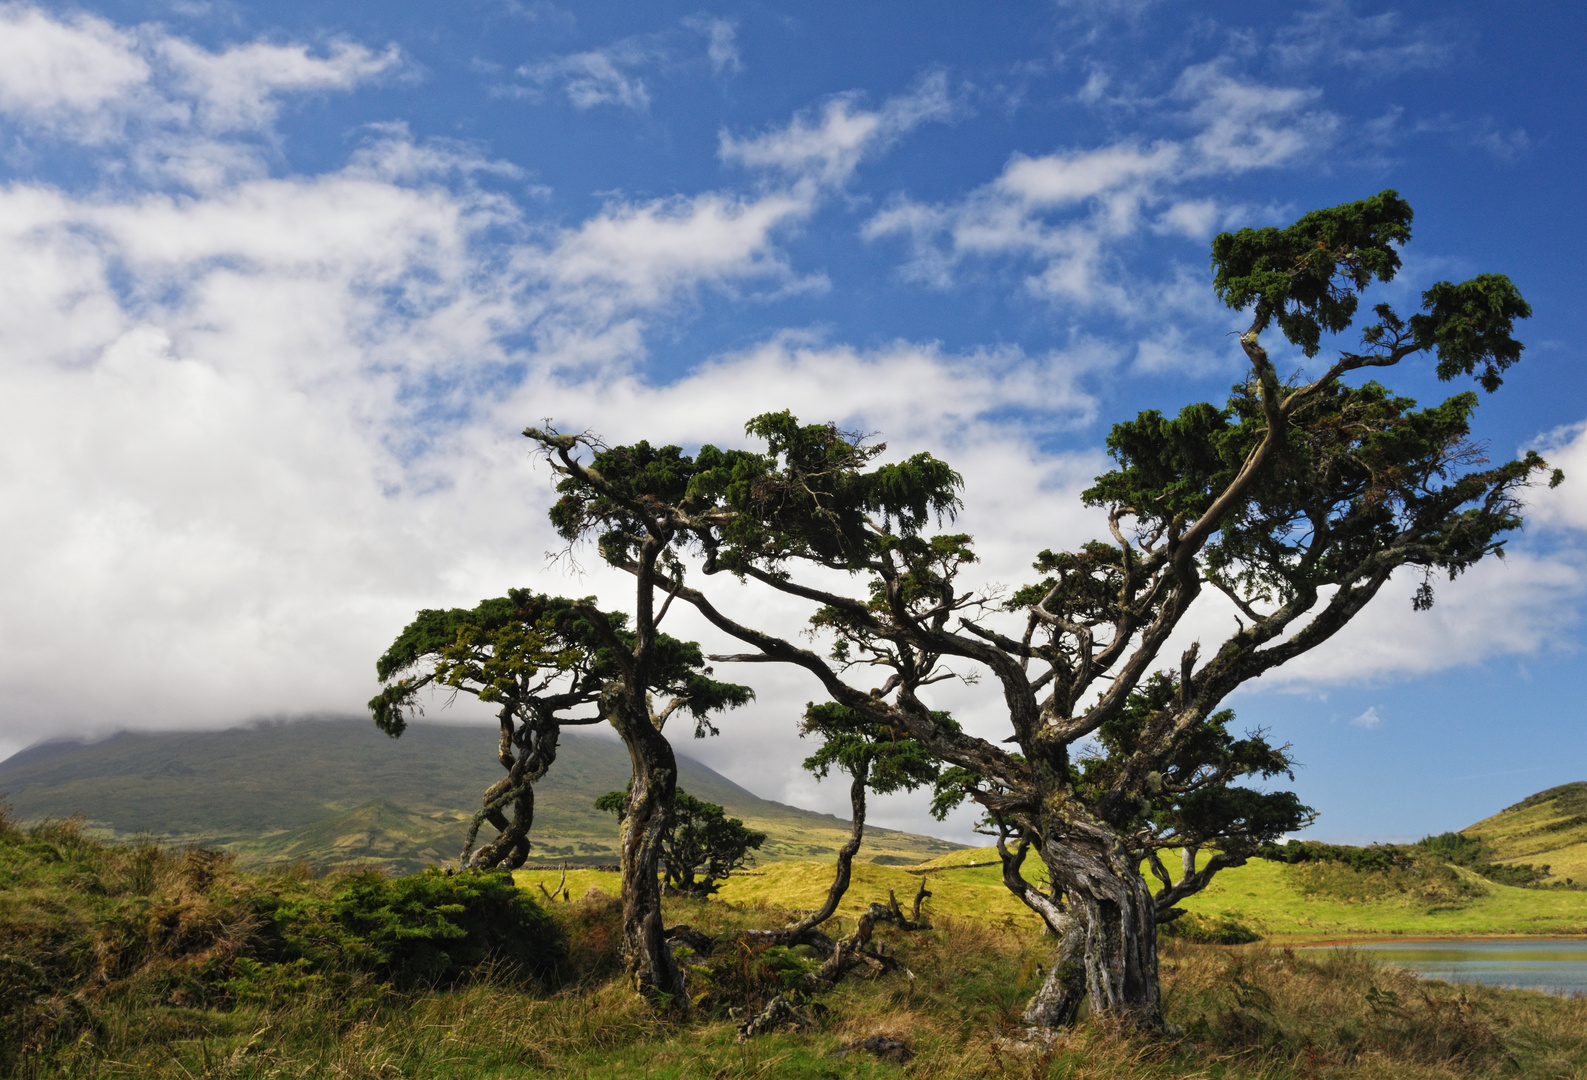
(89, 929)
(1194, 929)
(145, 962)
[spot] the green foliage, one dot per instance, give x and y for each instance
(431, 928)
(701, 845)
(808, 496)
(1469, 325)
(742, 977)
(887, 760)
(1398, 864)
(1477, 856)
(1190, 799)
(1195, 929)
(90, 931)
(505, 650)
(537, 654)
(1306, 276)
(1375, 859)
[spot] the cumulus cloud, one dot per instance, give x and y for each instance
(267, 420)
(54, 71)
(160, 102)
(1065, 214)
(240, 88)
(827, 147)
(1564, 506)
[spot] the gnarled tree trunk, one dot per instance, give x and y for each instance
(536, 745)
(649, 958)
(1108, 933)
(845, 865)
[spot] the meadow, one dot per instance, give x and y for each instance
(150, 961)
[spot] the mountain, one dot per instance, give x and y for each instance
(1549, 828)
(338, 791)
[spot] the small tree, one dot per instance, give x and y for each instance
(701, 847)
(1297, 501)
(550, 662)
(880, 759)
(532, 656)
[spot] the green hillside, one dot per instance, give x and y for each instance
(1548, 829)
(338, 791)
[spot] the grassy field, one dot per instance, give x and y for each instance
(1265, 896)
(139, 961)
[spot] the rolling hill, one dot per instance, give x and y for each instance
(1549, 828)
(337, 791)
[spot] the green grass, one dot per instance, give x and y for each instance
(146, 962)
(1268, 897)
(1549, 828)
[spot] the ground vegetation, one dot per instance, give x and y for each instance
(149, 962)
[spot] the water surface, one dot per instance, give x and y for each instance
(1558, 965)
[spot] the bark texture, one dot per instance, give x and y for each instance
(651, 965)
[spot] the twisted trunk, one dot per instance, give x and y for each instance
(649, 959)
(536, 745)
(1108, 946)
(845, 866)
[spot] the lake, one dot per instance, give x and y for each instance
(1558, 965)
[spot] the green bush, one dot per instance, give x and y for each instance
(1208, 930)
(431, 928)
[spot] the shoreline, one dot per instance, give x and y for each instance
(1373, 939)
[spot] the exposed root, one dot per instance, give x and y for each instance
(778, 1015)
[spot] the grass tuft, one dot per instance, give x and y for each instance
(154, 962)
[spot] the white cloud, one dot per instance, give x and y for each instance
(159, 102)
(52, 70)
(1378, 46)
(596, 77)
(1369, 719)
(1247, 125)
(238, 89)
(1564, 506)
(1065, 214)
(721, 43)
(828, 148)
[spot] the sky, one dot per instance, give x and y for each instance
(284, 283)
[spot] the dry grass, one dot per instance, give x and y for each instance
(128, 945)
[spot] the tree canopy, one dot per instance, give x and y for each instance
(1296, 500)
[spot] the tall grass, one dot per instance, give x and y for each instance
(143, 961)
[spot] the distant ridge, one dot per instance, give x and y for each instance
(337, 791)
(1549, 828)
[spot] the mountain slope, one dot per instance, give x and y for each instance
(1549, 828)
(337, 791)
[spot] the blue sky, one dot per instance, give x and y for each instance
(284, 282)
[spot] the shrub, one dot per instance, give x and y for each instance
(1209, 930)
(431, 928)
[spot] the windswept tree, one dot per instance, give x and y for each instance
(1295, 500)
(531, 656)
(878, 759)
(551, 662)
